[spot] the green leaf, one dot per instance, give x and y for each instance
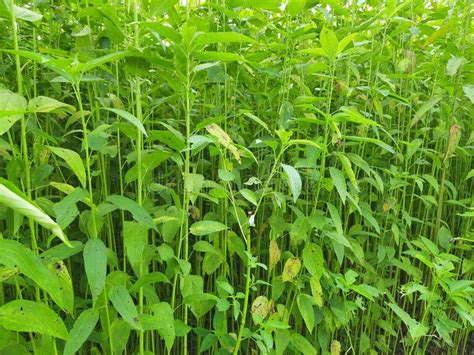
(223, 37)
(135, 236)
(26, 15)
(350, 115)
(95, 265)
(12, 198)
(151, 278)
(47, 104)
(425, 108)
(329, 42)
(138, 212)
(123, 303)
(249, 195)
(15, 255)
(340, 182)
(165, 323)
(302, 344)
(130, 118)
(313, 259)
(82, 328)
(415, 329)
(28, 316)
(367, 291)
(294, 181)
(206, 247)
(73, 160)
(12, 108)
(336, 220)
(294, 7)
(96, 62)
(220, 56)
(159, 7)
(305, 306)
(202, 228)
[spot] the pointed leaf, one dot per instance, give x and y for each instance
(294, 181)
(73, 160)
(123, 303)
(28, 316)
(82, 328)
(95, 264)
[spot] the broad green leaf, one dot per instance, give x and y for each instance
(338, 236)
(346, 164)
(151, 278)
(12, 107)
(123, 303)
(165, 323)
(15, 255)
(313, 259)
(207, 227)
(95, 265)
(96, 62)
(66, 210)
(305, 306)
(135, 236)
(29, 316)
(424, 109)
(375, 141)
(367, 291)
(294, 181)
(120, 334)
(206, 247)
(73, 160)
(345, 42)
(12, 198)
(329, 42)
(47, 104)
(220, 56)
(291, 269)
(351, 115)
(81, 330)
(340, 182)
(249, 195)
(159, 7)
(66, 292)
(223, 37)
(138, 212)
(416, 329)
(302, 344)
(257, 120)
(294, 7)
(130, 118)
(26, 15)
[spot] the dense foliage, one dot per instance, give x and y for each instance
(236, 176)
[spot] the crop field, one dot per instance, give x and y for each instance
(236, 177)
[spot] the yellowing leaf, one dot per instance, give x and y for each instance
(275, 254)
(291, 269)
(316, 290)
(260, 309)
(224, 139)
(335, 347)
